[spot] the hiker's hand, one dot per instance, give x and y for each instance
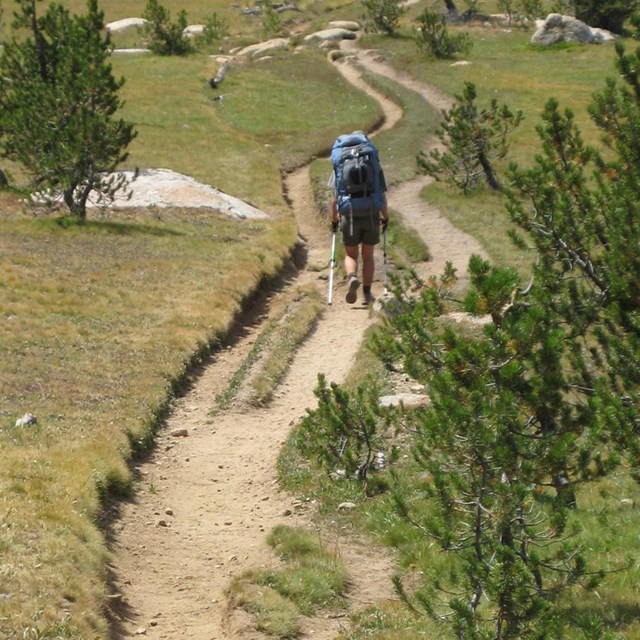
(384, 222)
(334, 225)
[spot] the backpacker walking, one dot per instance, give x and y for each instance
(358, 207)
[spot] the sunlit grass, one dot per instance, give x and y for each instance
(503, 64)
(300, 317)
(286, 108)
(99, 324)
(102, 321)
(483, 215)
(242, 143)
(181, 128)
(310, 578)
(273, 613)
(197, 12)
(289, 324)
(390, 621)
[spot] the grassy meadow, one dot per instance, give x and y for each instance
(502, 64)
(101, 322)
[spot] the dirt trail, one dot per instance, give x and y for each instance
(207, 499)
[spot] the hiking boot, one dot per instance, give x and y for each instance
(369, 298)
(352, 289)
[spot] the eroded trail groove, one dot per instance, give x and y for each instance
(208, 495)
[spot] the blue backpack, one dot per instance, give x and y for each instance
(358, 176)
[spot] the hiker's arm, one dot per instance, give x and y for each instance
(335, 220)
(384, 213)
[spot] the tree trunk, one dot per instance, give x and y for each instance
(214, 83)
(451, 7)
(604, 15)
(489, 173)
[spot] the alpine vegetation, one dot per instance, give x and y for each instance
(58, 104)
(544, 399)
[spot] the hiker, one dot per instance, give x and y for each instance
(358, 207)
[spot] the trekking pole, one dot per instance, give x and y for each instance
(333, 264)
(384, 253)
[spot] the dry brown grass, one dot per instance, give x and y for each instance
(99, 324)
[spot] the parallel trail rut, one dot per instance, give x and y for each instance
(207, 500)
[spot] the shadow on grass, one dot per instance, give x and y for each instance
(115, 228)
(613, 615)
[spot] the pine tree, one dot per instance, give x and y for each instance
(166, 38)
(545, 397)
(345, 432)
(382, 16)
(433, 38)
(58, 104)
(582, 212)
(501, 448)
(605, 14)
(474, 138)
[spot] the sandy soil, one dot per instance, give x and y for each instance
(208, 494)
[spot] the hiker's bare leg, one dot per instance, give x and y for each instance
(351, 260)
(368, 264)
(351, 267)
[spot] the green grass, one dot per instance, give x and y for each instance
(607, 524)
(481, 214)
(197, 12)
(273, 613)
(390, 621)
(180, 127)
(267, 362)
(287, 109)
(312, 578)
(102, 322)
(405, 248)
(301, 316)
(241, 144)
(399, 146)
(504, 65)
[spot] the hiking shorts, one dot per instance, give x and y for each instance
(366, 229)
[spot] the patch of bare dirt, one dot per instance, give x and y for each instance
(208, 494)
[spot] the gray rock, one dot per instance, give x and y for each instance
(125, 23)
(406, 399)
(261, 48)
(558, 28)
(193, 30)
(331, 35)
(345, 24)
(26, 420)
(130, 52)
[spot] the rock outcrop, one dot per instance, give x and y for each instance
(558, 28)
